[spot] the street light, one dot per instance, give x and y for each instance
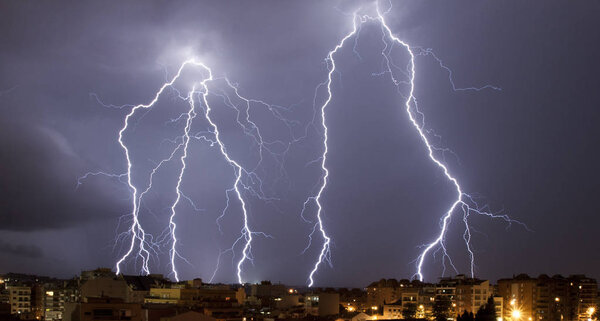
(590, 312)
(516, 314)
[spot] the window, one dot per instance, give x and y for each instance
(103, 312)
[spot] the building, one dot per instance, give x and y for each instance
(97, 273)
(499, 306)
(175, 296)
(583, 296)
(390, 290)
(354, 300)
(105, 286)
(356, 316)
(549, 298)
(392, 310)
(54, 305)
(471, 294)
(427, 297)
(378, 293)
(410, 298)
(103, 309)
(56, 294)
(267, 290)
(19, 299)
(322, 304)
(520, 293)
(189, 316)
(139, 286)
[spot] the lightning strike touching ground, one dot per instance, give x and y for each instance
(325, 253)
(143, 246)
(466, 202)
(246, 232)
(138, 235)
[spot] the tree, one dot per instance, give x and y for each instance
(487, 312)
(441, 308)
(409, 311)
(466, 316)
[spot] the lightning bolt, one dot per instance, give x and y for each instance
(252, 183)
(246, 231)
(325, 253)
(143, 245)
(464, 201)
(137, 233)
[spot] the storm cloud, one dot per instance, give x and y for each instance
(20, 250)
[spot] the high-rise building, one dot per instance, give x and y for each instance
(471, 294)
(553, 298)
(56, 295)
(19, 299)
(583, 296)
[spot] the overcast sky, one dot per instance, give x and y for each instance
(530, 150)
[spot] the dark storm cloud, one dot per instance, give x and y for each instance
(20, 250)
(36, 182)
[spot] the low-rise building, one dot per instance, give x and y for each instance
(322, 304)
(103, 309)
(392, 310)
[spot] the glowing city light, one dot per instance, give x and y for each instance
(516, 314)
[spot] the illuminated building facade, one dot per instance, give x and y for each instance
(549, 298)
(19, 299)
(472, 294)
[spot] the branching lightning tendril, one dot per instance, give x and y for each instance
(466, 202)
(246, 181)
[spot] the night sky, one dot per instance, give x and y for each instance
(529, 150)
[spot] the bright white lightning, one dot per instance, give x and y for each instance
(138, 235)
(246, 232)
(463, 200)
(147, 245)
(186, 139)
(325, 249)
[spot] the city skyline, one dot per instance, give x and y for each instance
(263, 114)
(101, 294)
